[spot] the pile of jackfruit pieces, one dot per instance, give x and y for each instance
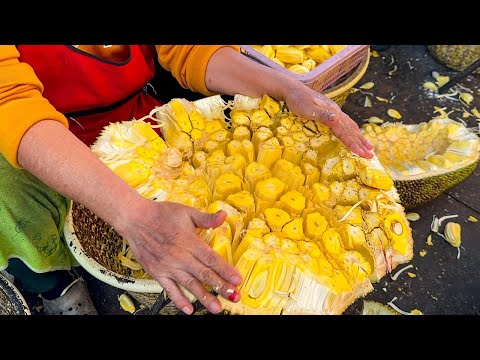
(299, 59)
(310, 225)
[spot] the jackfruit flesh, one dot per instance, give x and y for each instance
(426, 159)
(309, 226)
(299, 59)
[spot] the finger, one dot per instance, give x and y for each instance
(207, 299)
(207, 220)
(176, 295)
(356, 148)
(367, 143)
(214, 261)
(207, 276)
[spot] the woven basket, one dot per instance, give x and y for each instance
(11, 300)
(456, 57)
(340, 91)
(334, 78)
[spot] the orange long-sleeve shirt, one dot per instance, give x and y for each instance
(22, 103)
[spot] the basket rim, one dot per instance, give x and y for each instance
(351, 80)
(14, 295)
(94, 268)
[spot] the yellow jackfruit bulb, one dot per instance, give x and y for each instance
(398, 232)
(145, 130)
(268, 51)
(315, 226)
(199, 160)
(181, 141)
(271, 106)
(242, 133)
(355, 265)
(310, 248)
(246, 261)
(332, 242)
(298, 69)
(318, 54)
(259, 287)
(277, 60)
(197, 120)
(294, 229)
(158, 145)
(181, 115)
(276, 218)
(375, 178)
(239, 118)
(222, 242)
(260, 117)
(453, 233)
(134, 173)
(267, 192)
(126, 303)
(269, 152)
(290, 55)
(225, 185)
(244, 202)
(334, 49)
(212, 126)
(293, 202)
(309, 64)
(254, 173)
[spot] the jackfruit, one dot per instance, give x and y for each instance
(309, 226)
(426, 159)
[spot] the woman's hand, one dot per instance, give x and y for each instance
(163, 238)
(310, 104)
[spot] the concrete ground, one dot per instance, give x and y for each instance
(443, 283)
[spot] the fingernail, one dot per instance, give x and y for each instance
(233, 295)
(187, 310)
(236, 280)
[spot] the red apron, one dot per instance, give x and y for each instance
(94, 85)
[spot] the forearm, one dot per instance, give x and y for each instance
(229, 72)
(54, 155)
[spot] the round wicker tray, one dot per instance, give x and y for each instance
(95, 245)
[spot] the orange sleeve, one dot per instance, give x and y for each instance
(21, 102)
(188, 64)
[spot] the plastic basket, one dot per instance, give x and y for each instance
(323, 75)
(340, 91)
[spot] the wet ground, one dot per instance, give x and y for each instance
(443, 283)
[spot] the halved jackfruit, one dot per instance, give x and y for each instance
(424, 160)
(309, 225)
